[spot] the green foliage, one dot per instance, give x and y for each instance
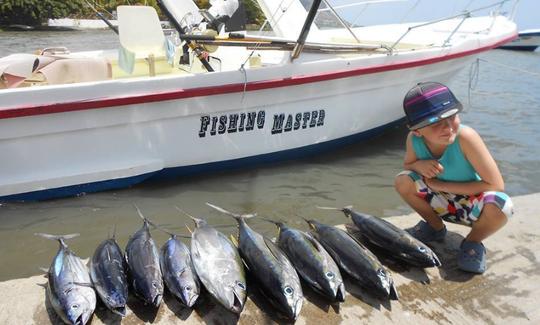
(34, 12)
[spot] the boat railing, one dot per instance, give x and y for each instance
(464, 15)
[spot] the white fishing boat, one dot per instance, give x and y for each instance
(528, 40)
(82, 122)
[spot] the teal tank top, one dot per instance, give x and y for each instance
(456, 167)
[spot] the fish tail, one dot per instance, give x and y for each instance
(279, 224)
(60, 238)
(196, 220)
(145, 219)
(238, 217)
(169, 232)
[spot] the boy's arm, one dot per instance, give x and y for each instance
(426, 168)
(476, 152)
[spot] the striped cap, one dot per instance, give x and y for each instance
(429, 102)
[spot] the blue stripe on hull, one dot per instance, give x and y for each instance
(175, 172)
(519, 48)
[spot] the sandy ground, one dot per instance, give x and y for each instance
(508, 293)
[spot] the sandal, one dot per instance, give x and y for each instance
(472, 257)
(425, 233)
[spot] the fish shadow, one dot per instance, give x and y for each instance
(145, 312)
(53, 316)
(104, 314)
(448, 252)
(405, 269)
(176, 306)
(257, 296)
(363, 294)
(318, 299)
(212, 312)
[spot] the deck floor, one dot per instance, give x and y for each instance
(508, 293)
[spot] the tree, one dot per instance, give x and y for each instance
(35, 12)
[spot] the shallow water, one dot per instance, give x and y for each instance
(504, 108)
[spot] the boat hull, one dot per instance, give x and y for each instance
(526, 41)
(68, 139)
(99, 149)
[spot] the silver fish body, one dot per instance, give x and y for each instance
(108, 274)
(397, 242)
(69, 287)
(178, 272)
(312, 262)
(142, 258)
(355, 259)
(272, 269)
(219, 267)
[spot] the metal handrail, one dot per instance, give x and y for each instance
(466, 14)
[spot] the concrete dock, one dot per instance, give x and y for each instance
(508, 293)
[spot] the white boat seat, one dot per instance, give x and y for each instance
(141, 35)
(72, 70)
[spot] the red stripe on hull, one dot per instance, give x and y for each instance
(226, 89)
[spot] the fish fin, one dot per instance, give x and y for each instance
(46, 270)
(328, 208)
(191, 232)
(234, 215)
(279, 224)
(114, 232)
(196, 220)
(83, 284)
(274, 249)
(313, 242)
(145, 219)
(393, 292)
(60, 238)
(234, 240)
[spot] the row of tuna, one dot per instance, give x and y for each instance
(318, 257)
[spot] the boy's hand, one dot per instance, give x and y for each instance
(428, 168)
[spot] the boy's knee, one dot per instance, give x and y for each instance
(403, 184)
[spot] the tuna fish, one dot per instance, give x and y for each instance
(270, 266)
(142, 258)
(355, 259)
(108, 274)
(178, 272)
(312, 261)
(69, 287)
(218, 266)
(395, 241)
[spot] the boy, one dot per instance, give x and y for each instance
(450, 174)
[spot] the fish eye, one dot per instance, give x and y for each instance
(154, 284)
(187, 288)
(75, 306)
(241, 285)
(329, 275)
(422, 249)
(288, 291)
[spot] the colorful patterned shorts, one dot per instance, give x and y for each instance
(462, 209)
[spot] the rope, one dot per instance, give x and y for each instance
(409, 11)
(257, 45)
(474, 72)
(535, 74)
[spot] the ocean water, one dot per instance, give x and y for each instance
(504, 107)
